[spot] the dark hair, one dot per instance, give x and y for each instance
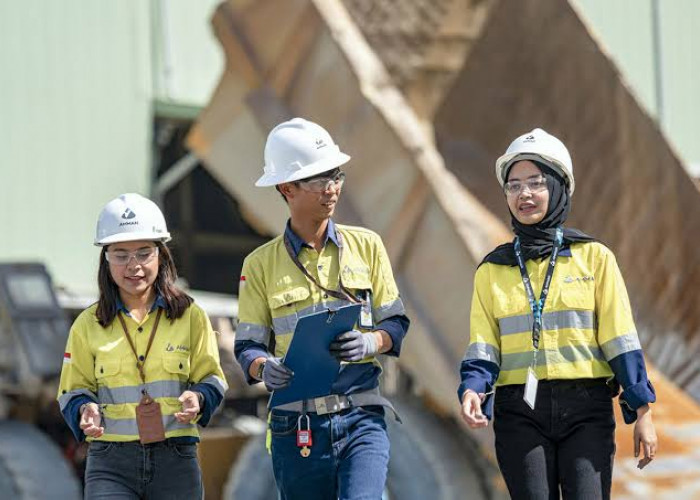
(176, 300)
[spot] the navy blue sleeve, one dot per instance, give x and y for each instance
(631, 373)
(71, 414)
(247, 351)
(480, 376)
(212, 400)
(396, 327)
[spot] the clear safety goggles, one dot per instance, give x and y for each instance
(122, 257)
(324, 183)
(536, 185)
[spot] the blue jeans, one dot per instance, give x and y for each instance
(567, 442)
(134, 471)
(349, 457)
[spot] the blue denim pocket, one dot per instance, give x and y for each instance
(282, 425)
(100, 448)
(185, 450)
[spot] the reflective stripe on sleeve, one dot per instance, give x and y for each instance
(565, 354)
(64, 399)
(394, 308)
(256, 333)
(217, 382)
(620, 345)
(483, 351)
(555, 320)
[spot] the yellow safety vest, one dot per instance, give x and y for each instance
(587, 318)
(100, 364)
(274, 293)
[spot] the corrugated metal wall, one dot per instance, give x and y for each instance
(625, 28)
(76, 93)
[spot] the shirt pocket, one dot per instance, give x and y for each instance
(285, 308)
(108, 371)
(177, 364)
(578, 296)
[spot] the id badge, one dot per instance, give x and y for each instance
(149, 420)
(530, 394)
(366, 310)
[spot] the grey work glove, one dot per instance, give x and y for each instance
(354, 346)
(275, 375)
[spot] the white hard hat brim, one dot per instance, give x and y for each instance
(308, 171)
(125, 237)
(505, 161)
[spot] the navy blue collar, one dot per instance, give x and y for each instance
(159, 302)
(298, 243)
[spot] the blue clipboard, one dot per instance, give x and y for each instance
(315, 369)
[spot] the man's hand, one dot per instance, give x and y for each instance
(90, 421)
(354, 346)
(644, 437)
(190, 407)
(471, 410)
(276, 375)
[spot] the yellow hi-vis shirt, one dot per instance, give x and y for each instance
(587, 319)
(274, 293)
(101, 365)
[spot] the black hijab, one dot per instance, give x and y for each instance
(537, 240)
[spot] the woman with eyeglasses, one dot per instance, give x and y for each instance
(552, 331)
(141, 367)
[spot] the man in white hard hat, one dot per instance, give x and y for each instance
(317, 265)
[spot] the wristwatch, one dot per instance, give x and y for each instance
(259, 373)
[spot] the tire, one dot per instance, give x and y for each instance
(430, 458)
(32, 466)
(251, 477)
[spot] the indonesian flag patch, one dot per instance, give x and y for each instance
(241, 283)
(66, 357)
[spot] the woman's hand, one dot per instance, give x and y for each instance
(190, 407)
(644, 437)
(471, 410)
(90, 420)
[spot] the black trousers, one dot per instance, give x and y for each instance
(567, 442)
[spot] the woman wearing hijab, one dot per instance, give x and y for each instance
(552, 330)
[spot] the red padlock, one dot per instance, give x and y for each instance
(304, 440)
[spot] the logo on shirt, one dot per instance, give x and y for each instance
(579, 279)
(178, 348)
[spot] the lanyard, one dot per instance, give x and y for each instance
(343, 293)
(141, 362)
(537, 306)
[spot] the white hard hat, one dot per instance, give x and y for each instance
(538, 145)
(297, 149)
(130, 217)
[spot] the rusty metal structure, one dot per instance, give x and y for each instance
(424, 96)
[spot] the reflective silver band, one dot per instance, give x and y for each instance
(394, 308)
(217, 382)
(556, 320)
(565, 354)
(64, 399)
(483, 351)
(284, 325)
(256, 333)
(132, 393)
(620, 345)
(128, 426)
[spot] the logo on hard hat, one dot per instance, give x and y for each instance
(529, 138)
(320, 143)
(128, 214)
